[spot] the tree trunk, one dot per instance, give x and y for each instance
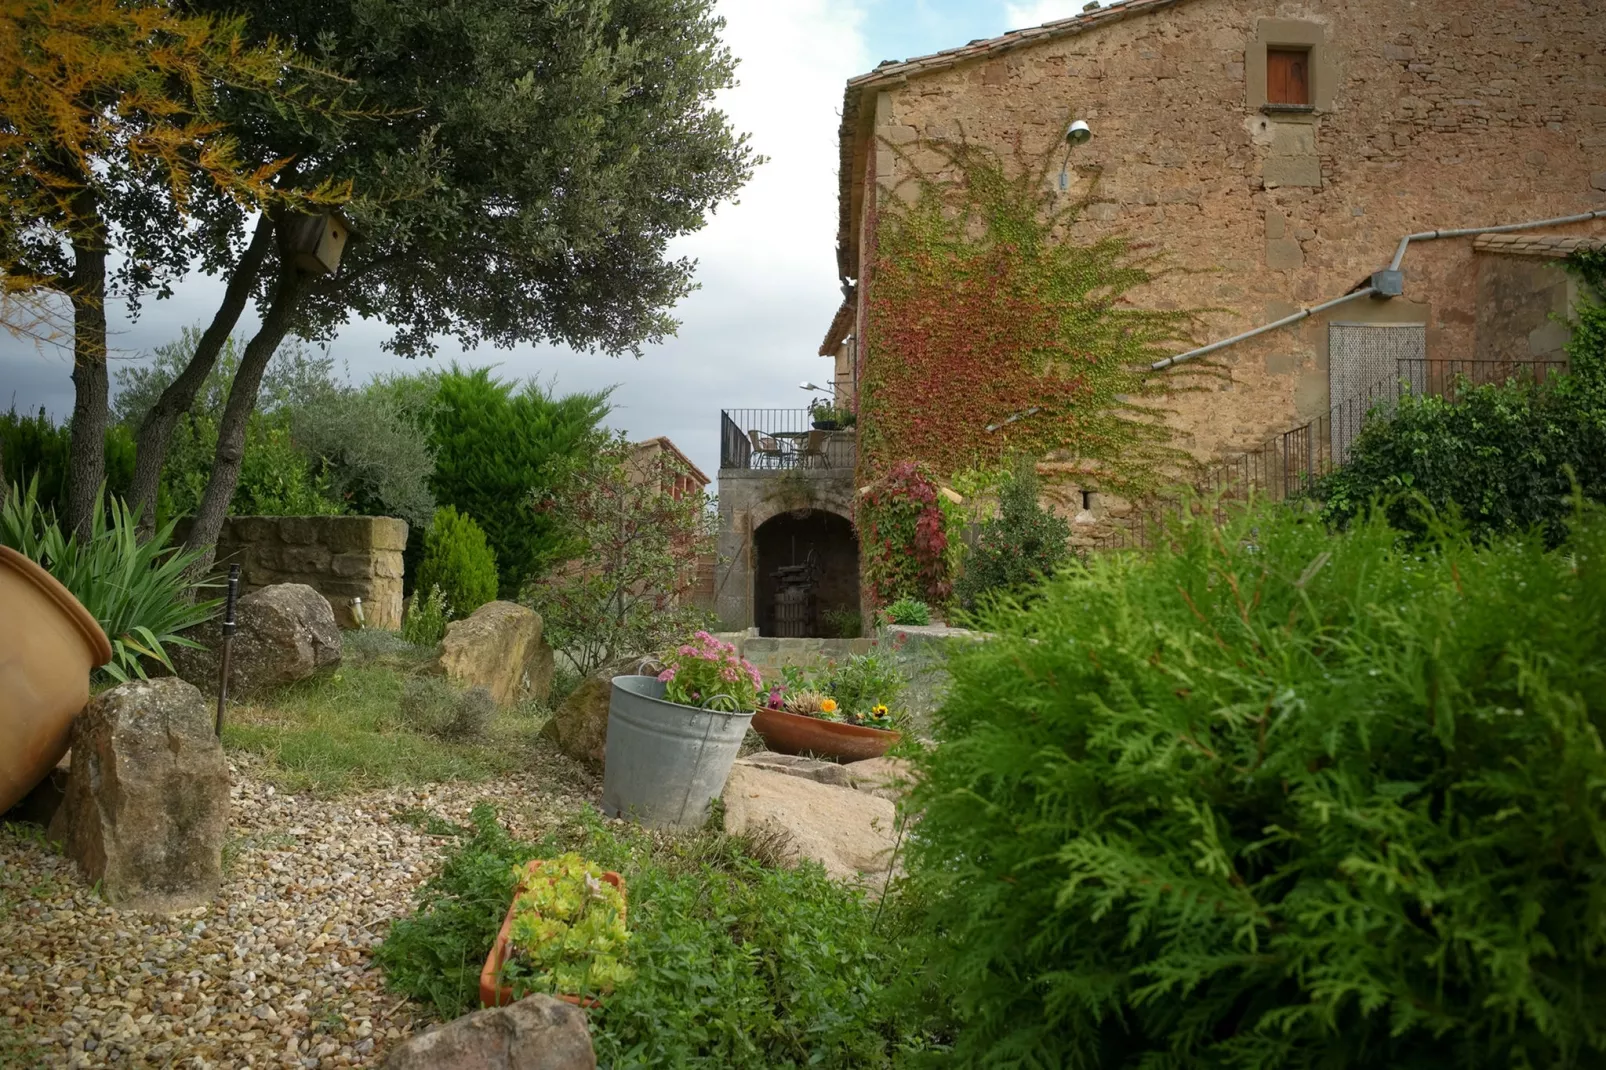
(156, 429)
(86, 461)
(236, 414)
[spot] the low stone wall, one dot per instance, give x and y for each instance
(340, 557)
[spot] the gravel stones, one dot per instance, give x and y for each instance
(273, 972)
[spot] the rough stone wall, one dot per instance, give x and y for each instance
(1435, 114)
(748, 498)
(340, 557)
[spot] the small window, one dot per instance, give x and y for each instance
(1088, 501)
(1288, 77)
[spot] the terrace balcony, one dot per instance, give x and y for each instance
(783, 440)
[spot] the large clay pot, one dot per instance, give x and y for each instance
(792, 733)
(48, 645)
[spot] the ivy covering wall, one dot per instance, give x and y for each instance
(980, 308)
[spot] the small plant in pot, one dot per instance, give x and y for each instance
(672, 737)
(845, 714)
(827, 416)
(564, 934)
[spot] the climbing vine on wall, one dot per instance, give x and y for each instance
(979, 309)
(904, 539)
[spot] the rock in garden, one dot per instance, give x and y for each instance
(538, 673)
(147, 802)
(494, 648)
(890, 778)
(849, 832)
(536, 1033)
(580, 724)
(286, 632)
(795, 765)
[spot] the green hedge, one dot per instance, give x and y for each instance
(459, 562)
(1274, 798)
(1506, 456)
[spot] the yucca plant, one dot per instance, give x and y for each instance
(138, 589)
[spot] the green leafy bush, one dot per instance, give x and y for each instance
(910, 611)
(138, 589)
(35, 448)
(1273, 798)
(1015, 550)
(498, 451)
(627, 592)
(424, 620)
(736, 963)
(458, 561)
(1505, 456)
(365, 443)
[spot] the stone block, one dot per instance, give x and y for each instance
(1598, 180)
(1276, 224)
(491, 648)
(1284, 254)
(387, 564)
(305, 560)
(146, 808)
(538, 1032)
(299, 530)
(851, 833)
(387, 533)
(286, 632)
(1280, 171)
(1102, 212)
(352, 564)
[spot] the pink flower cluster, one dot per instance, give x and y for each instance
(706, 666)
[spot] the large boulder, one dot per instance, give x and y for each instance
(147, 802)
(579, 726)
(851, 833)
(285, 632)
(814, 769)
(536, 1033)
(496, 647)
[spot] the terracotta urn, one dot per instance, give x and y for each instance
(792, 733)
(493, 994)
(48, 645)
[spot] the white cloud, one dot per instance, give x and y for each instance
(767, 265)
(1036, 12)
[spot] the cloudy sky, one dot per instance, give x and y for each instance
(766, 265)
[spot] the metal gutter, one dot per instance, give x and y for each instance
(1379, 286)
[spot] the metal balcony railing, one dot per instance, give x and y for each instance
(780, 439)
(1288, 464)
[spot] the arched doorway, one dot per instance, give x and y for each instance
(789, 541)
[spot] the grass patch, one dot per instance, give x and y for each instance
(19, 1050)
(350, 731)
(737, 962)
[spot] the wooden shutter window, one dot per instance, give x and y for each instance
(1288, 76)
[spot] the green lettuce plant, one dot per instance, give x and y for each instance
(568, 933)
(139, 589)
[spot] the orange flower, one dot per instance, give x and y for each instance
(828, 706)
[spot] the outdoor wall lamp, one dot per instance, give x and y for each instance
(814, 388)
(1078, 133)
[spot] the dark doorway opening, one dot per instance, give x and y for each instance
(790, 541)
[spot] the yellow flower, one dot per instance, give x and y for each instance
(828, 706)
(878, 711)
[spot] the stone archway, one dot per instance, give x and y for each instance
(788, 538)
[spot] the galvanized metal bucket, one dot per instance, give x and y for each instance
(665, 762)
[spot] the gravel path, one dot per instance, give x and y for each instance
(276, 971)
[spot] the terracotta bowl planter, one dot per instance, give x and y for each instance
(493, 994)
(48, 645)
(792, 733)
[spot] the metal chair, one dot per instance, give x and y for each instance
(765, 448)
(814, 450)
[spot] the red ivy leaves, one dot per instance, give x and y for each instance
(901, 529)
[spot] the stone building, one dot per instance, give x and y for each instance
(1280, 152)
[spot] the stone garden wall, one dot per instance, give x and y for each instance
(340, 557)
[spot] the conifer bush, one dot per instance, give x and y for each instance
(458, 560)
(1273, 798)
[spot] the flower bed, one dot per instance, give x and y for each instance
(564, 933)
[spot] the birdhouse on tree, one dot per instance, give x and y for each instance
(314, 243)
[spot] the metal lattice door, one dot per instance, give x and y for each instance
(1364, 362)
